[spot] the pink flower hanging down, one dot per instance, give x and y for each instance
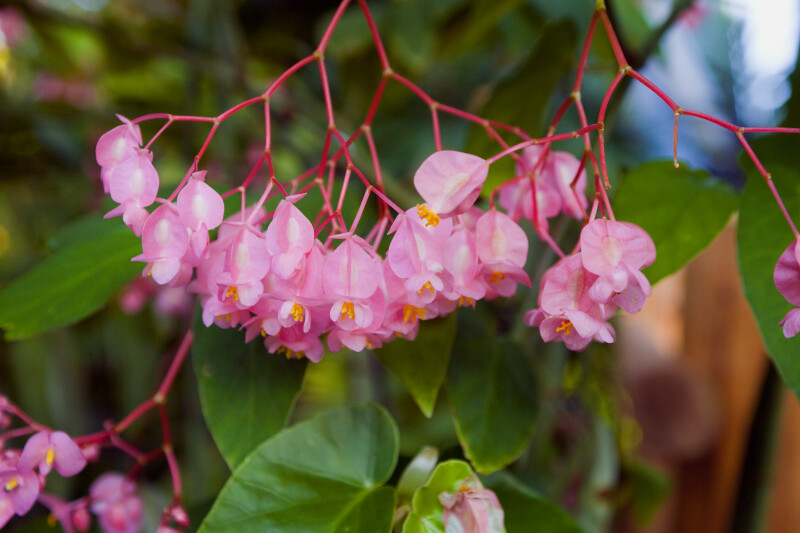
(787, 281)
(503, 250)
(164, 243)
(47, 450)
(116, 504)
(566, 311)
(449, 182)
(616, 252)
(290, 237)
(200, 209)
(133, 184)
(116, 146)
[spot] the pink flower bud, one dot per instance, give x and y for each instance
(450, 181)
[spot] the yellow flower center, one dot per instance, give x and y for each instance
(426, 286)
(496, 277)
(430, 218)
(49, 457)
(297, 312)
(11, 484)
(290, 354)
(566, 327)
(463, 300)
(232, 293)
(347, 311)
(412, 313)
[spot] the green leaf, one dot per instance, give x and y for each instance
(763, 235)
(72, 283)
(428, 510)
(649, 488)
(491, 390)
(421, 365)
(525, 510)
(322, 475)
(682, 210)
(245, 392)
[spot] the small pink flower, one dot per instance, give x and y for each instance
(616, 252)
(450, 182)
(52, 450)
(115, 146)
(246, 264)
(787, 281)
(201, 209)
(290, 237)
(133, 183)
(503, 250)
(350, 277)
(164, 243)
(21, 488)
(116, 504)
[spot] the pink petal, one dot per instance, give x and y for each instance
(34, 453)
(500, 239)
(605, 244)
(200, 204)
(350, 272)
(117, 144)
(68, 457)
(134, 180)
(450, 181)
(787, 275)
(791, 323)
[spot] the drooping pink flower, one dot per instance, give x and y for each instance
(450, 182)
(164, 243)
(461, 260)
(561, 172)
(566, 311)
(20, 487)
(115, 146)
(246, 264)
(290, 237)
(503, 250)
(47, 450)
(787, 281)
(201, 209)
(116, 503)
(616, 252)
(133, 183)
(415, 255)
(472, 509)
(350, 277)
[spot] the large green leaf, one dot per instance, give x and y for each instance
(322, 475)
(491, 390)
(525, 510)
(763, 235)
(421, 365)
(72, 283)
(246, 393)
(682, 210)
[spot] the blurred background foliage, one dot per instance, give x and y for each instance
(67, 66)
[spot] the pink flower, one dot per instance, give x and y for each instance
(164, 243)
(616, 251)
(201, 209)
(449, 182)
(350, 278)
(116, 504)
(290, 237)
(20, 488)
(472, 509)
(787, 281)
(246, 264)
(133, 183)
(502, 249)
(566, 311)
(52, 450)
(115, 146)
(561, 170)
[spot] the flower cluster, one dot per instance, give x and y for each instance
(23, 475)
(268, 273)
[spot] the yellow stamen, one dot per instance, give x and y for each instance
(496, 277)
(232, 293)
(263, 333)
(369, 344)
(12, 484)
(411, 312)
(290, 354)
(52, 520)
(347, 311)
(426, 286)
(566, 327)
(49, 457)
(463, 300)
(297, 312)
(431, 218)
